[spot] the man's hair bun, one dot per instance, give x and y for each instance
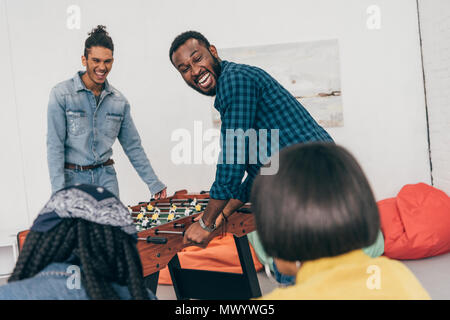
(99, 30)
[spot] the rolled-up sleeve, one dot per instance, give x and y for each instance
(56, 136)
(238, 111)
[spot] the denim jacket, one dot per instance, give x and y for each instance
(82, 133)
(55, 282)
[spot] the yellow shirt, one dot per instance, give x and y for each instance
(353, 276)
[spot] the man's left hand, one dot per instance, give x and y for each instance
(161, 195)
(196, 235)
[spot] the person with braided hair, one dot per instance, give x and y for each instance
(85, 117)
(81, 246)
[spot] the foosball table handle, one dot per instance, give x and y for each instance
(244, 210)
(155, 240)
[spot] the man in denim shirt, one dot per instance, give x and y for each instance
(85, 116)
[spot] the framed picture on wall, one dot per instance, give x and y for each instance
(310, 71)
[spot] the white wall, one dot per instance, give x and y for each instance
(435, 30)
(384, 113)
(13, 196)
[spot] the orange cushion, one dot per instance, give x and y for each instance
(21, 236)
(416, 224)
(220, 255)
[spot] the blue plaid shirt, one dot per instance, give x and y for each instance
(250, 99)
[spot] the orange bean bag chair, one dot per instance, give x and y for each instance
(416, 224)
(220, 255)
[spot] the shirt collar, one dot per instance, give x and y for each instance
(223, 64)
(223, 67)
(79, 84)
(311, 268)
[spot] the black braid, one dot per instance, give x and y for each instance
(22, 269)
(42, 248)
(95, 285)
(100, 263)
(111, 249)
(106, 255)
(136, 287)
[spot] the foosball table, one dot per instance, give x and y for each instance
(161, 225)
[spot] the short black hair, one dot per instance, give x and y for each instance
(319, 204)
(185, 36)
(98, 37)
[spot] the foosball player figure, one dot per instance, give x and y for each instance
(187, 212)
(145, 223)
(172, 212)
(170, 217)
(155, 216)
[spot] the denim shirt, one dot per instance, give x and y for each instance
(82, 133)
(55, 282)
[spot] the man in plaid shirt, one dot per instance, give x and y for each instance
(257, 113)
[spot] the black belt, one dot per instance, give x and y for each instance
(90, 167)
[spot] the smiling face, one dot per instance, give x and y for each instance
(198, 65)
(98, 64)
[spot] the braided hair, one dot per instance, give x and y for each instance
(106, 254)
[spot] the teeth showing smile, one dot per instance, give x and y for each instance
(204, 79)
(100, 74)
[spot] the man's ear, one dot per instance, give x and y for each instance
(83, 60)
(213, 51)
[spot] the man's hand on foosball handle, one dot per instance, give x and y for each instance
(196, 235)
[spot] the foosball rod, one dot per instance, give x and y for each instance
(163, 201)
(169, 232)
